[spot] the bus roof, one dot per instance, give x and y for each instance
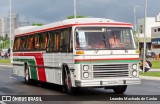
(67, 23)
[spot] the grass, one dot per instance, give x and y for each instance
(4, 61)
(153, 74)
(156, 64)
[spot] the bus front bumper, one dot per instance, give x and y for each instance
(107, 82)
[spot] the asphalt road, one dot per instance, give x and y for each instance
(9, 85)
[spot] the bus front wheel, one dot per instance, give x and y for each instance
(67, 82)
(27, 75)
(120, 89)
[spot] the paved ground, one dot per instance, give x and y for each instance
(10, 85)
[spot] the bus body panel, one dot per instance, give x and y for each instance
(107, 67)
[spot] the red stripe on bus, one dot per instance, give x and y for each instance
(39, 61)
(69, 25)
(78, 60)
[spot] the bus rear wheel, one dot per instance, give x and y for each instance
(120, 89)
(27, 75)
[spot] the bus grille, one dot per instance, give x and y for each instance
(114, 70)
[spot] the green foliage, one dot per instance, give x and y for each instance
(153, 74)
(136, 38)
(70, 17)
(156, 64)
(4, 43)
(37, 24)
(4, 61)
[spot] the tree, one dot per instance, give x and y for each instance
(37, 24)
(70, 17)
(136, 38)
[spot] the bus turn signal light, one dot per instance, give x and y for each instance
(80, 52)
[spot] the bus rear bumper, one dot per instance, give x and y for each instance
(107, 82)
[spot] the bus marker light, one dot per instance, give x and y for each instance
(80, 52)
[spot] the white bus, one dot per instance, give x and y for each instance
(78, 53)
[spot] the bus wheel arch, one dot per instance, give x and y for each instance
(66, 80)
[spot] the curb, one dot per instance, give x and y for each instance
(150, 78)
(6, 65)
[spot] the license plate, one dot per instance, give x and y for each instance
(112, 82)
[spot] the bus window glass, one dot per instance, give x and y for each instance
(31, 43)
(36, 40)
(43, 40)
(71, 42)
(64, 40)
(104, 38)
(16, 46)
(120, 38)
(23, 44)
(56, 41)
(91, 38)
(51, 43)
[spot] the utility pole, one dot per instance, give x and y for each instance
(10, 23)
(75, 9)
(135, 23)
(144, 51)
(10, 30)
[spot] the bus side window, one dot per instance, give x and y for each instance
(43, 40)
(57, 41)
(30, 43)
(50, 42)
(70, 40)
(23, 43)
(36, 42)
(53, 42)
(64, 41)
(16, 43)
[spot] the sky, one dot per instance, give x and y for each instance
(47, 11)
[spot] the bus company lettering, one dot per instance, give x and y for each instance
(34, 99)
(14, 98)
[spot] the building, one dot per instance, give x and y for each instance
(150, 22)
(14, 25)
(155, 40)
(2, 27)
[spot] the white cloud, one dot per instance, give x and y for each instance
(54, 10)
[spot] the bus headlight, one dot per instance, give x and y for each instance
(134, 73)
(86, 75)
(134, 66)
(85, 67)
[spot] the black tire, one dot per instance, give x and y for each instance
(67, 83)
(120, 89)
(27, 75)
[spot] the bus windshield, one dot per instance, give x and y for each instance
(90, 38)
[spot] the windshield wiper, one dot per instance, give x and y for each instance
(100, 44)
(124, 47)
